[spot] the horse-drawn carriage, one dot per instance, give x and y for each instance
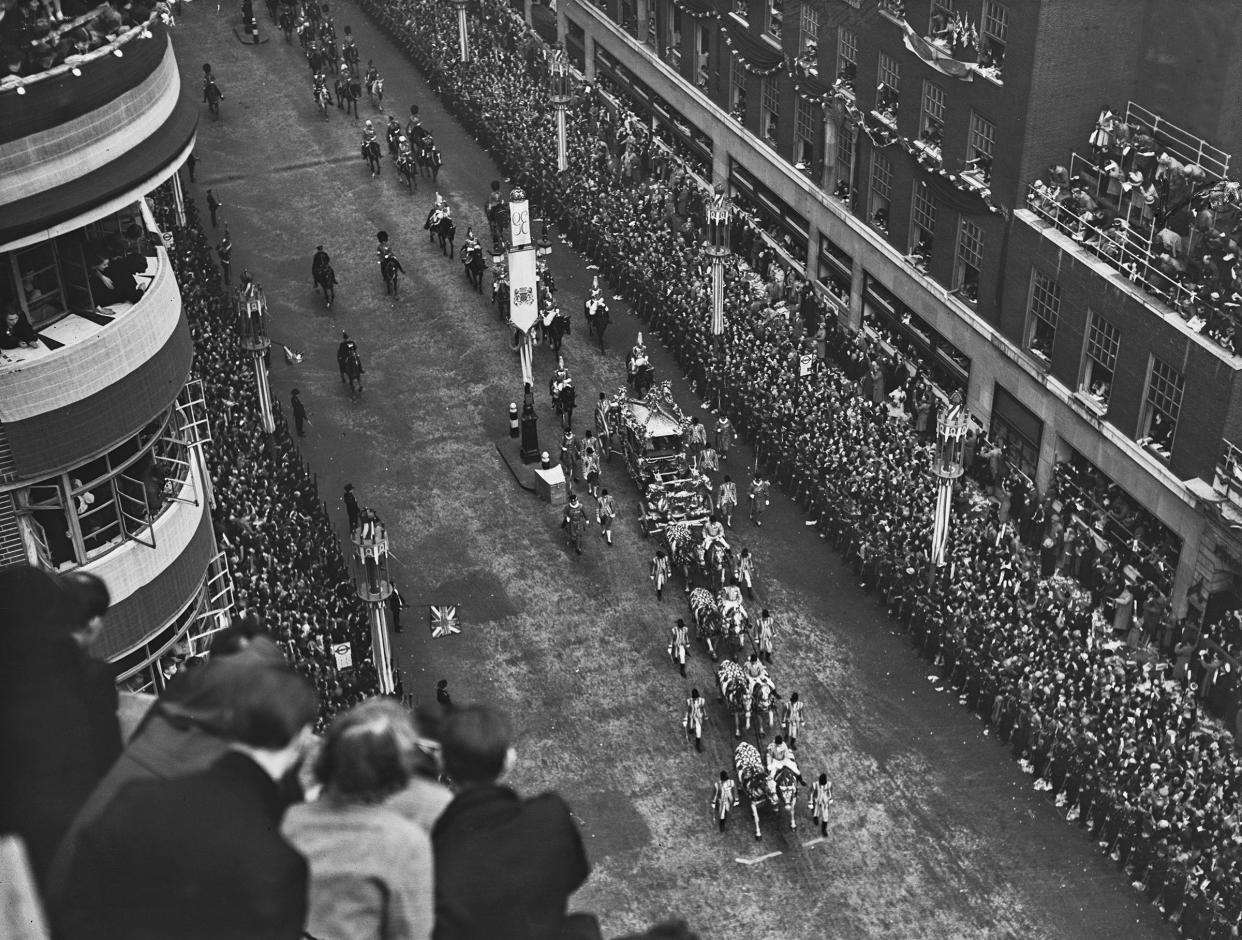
(649, 432)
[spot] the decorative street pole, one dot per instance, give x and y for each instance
(524, 312)
(559, 81)
(719, 215)
(951, 427)
(375, 588)
(463, 39)
(252, 335)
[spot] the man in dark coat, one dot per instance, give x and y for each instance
(201, 856)
(505, 867)
(58, 726)
(351, 508)
(299, 412)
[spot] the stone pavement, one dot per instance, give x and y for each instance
(936, 834)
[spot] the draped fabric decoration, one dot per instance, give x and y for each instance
(940, 523)
(698, 9)
(757, 57)
(934, 56)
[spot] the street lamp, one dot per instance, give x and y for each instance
(463, 44)
(951, 428)
(252, 336)
(374, 589)
(719, 217)
(559, 83)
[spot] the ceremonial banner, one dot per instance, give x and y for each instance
(523, 297)
(519, 220)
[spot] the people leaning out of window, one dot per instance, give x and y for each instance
(113, 273)
(16, 329)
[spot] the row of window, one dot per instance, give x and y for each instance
(1165, 384)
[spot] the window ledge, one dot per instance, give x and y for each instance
(972, 179)
(773, 41)
(928, 150)
(1091, 403)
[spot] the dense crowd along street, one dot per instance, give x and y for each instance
(747, 462)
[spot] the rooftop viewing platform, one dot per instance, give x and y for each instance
(92, 117)
(1155, 205)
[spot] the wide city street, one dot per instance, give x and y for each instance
(936, 831)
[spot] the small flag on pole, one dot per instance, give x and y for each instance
(444, 621)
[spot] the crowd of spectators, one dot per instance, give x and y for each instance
(1167, 224)
(38, 35)
(1094, 683)
(282, 551)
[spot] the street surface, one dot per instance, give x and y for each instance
(936, 831)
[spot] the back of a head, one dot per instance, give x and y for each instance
(90, 594)
(269, 708)
(366, 754)
(238, 635)
(476, 742)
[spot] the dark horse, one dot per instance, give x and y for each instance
(390, 267)
(408, 171)
(351, 369)
(597, 318)
(563, 403)
(371, 153)
(442, 225)
(555, 330)
(325, 278)
(472, 259)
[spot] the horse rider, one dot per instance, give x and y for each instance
(322, 274)
(575, 521)
(724, 797)
(393, 133)
(731, 601)
(414, 127)
(726, 500)
(561, 377)
(368, 133)
(349, 51)
(605, 512)
(470, 245)
(639, 365)
(439, 210)
(321, 85)
(404, 153)
(344, 350)
(696, 714)
(779, 755)
(319, 263)
(756, 674)
(713, 532)
(678, 643)
(371, 77)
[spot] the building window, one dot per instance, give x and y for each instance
(1100, 361)
(808, 30)
(771, 109)
(1043, 311)
(741, 8)
(845, 164)
(702, 57)
(993, 36)
(887, 92)
(775, 19)
(1017, 430)
(969, 261)
(931, 126)
(847, 57)
(804, 134)
(1164, 403)
(923, 226)
(881, 191)
(979, 150)
(737, 88)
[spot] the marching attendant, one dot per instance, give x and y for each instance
(724, 798)
(709, 459)
(744, 571)
(792, 720)
(759, 492)
(575, 521)
(765, 631)
(724, 437)
(568, 445)
(693, 720)
(590, 469)
(660, 573)
(819, 802)
(584, 443)
(726, 500)
(605, 512)
(677, 645)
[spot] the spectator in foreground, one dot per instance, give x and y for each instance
(201, 856)
(505, 867)
(424, 798)
(371, 876)
(58, 727)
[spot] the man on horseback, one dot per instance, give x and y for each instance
(375, 86)
(370, 149)
(756, 675)
(439, 210)
(322, 274)
(778, 756)
(731, 602)
(320, 92)
(393, 134)
(414, 127)
(346, 349)
(640, 368)
(713, 533)
(349, 51)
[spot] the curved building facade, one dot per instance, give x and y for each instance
(101, 428)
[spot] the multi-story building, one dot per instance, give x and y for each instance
(101, 429)
(890, 147)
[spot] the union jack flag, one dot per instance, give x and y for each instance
(444, 621)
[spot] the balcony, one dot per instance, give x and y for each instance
(1155, 219)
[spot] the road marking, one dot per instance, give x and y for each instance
(807, 845)
(756, 861)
